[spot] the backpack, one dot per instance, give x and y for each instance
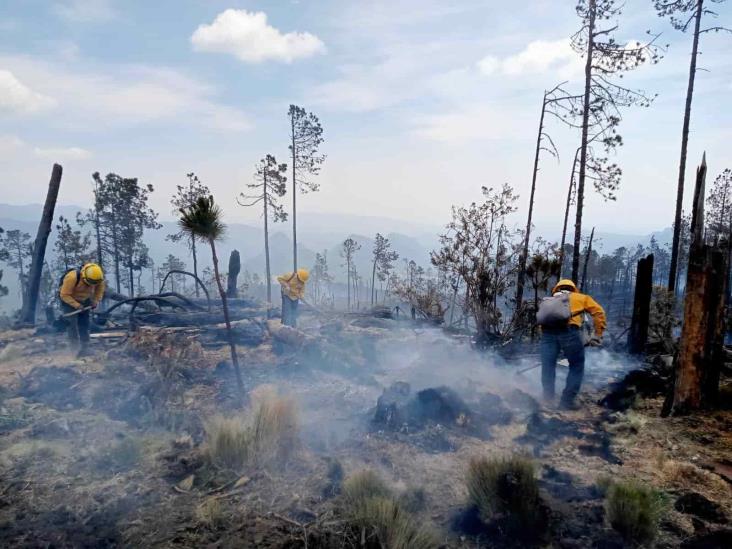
(63, 276)
(554, 310)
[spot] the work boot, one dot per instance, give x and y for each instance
(566, 404)
(83, 352)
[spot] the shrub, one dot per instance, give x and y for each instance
(506, 489)
(248, 441)
(634, 510)
(370, 507)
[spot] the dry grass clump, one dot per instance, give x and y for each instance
(374, 512)
(634, 510)
(506, 488)
(687, 475)
(210, 513)
(266, 436)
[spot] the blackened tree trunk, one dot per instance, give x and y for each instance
(233, 274)
(30, 298)
(268, 270)
(701, 348)
(588, 255)
(227, 318)
(638, 334)
(566, 214)
(195, 263)
(527, 237)
(294, 196)
(684, 144)
(583, 144)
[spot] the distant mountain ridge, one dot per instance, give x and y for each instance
(316, 233)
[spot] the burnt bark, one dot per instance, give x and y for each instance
(587, 260)
(638, 334)
(701, 349)
(233, 275)
(30, 299)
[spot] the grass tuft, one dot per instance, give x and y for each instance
(210, 514)
(634, 510)
(266, 436)
(506, 488)
(372, 510)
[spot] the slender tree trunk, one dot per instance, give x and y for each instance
(266, 239)
(96, 225)
(583, 152)
(587, 260)
(116, 254)
(527, 236)
(566, 214)
(373, 283)
(195, 263)
(30, 298)
(684, 145)
(227, 319)
(348, 281)
(132, 280)
(294, 195)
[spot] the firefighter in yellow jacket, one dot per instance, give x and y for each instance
(81, 290)
(567, 338)
(293, 290)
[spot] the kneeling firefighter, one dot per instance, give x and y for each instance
(81, 290)
(560, 318)
(293, 290)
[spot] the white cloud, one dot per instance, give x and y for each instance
(86, 11)
(17, 97)
(127, 95)
(539, 56)
(62, 153)
(247, 36)
(10, 144)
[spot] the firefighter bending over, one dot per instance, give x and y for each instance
(293, 290)
(81, 290)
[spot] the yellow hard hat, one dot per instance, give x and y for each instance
(92, 273)
(565, 283)
(303, 274)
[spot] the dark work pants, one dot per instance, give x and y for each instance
(77, 327)
(569, 341)
(289, 311)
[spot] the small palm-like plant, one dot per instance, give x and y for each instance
(202, 220)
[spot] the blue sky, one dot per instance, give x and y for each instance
(422, 101)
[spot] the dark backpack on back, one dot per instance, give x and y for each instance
(63, 276)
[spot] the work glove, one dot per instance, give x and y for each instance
(94, 305)
(595, 341)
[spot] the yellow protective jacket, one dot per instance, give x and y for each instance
(292, 286)
(581, 303)
(74, 294)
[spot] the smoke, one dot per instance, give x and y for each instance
(335, 405)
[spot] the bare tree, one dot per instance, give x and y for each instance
(384, 258)
(306, 136)
(682, 13)
(348, 251)
(555, 100)
(268, 187)
(599, 111)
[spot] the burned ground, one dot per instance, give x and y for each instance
(111, 450)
